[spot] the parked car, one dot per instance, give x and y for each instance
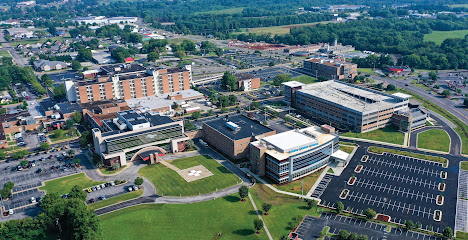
(33, 200)
(98, 187)
(112, 183)
(130, 188)
(91, 200)
(102, 186)
(102, 197)
(135, 188)
(39, 170)
(11, 212)
(94, 189)
(88, 190)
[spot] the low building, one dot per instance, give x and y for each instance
(102, 57)
(398, 69)
(46, 65)
(247, 82)
(410, 119)
(131, 134)
(232, 135)
(294, 154)
(19, 33)
(331, 69)
(101, 20)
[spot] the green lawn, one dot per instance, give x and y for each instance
(295, 186)
(409, 154)
(459, 5)
(464, 165)
(4, 53)
(284, 209)
(434, 139)
(60, 135)
(439, 36)
(387, 134)
(347, 149)
(281, 30)
(228, 216)
(462, 235)
(169, 182)
(366, 70)
(305, 79)
(114, 200)
(65, 184)
(107, 171)
(224, 11)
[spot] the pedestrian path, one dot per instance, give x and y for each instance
(170, 166)
(260, 216)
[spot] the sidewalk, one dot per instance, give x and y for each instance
(260, 216)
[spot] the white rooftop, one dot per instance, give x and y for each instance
(293, 84)
(289, 140)
(402, 95)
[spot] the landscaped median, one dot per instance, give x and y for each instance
(169, 182)
(115, 200)
(387, 134)
(64, 185)
(381, 150)
(434, 139)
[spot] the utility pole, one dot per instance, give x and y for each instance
(302, 189)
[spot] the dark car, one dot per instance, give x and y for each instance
(91, 200)
(53, 167)
(7, 167)
(39, 170)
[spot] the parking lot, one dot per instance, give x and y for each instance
(311, 228)
(109, 192)
(58, 78)
(248, 60)
(267, 74)
(402, 187)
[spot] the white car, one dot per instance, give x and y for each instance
(102, 186)
(11, 212)
(112, 183)
(33, 200)
(98, 187)
(135, 188)
(130, 188)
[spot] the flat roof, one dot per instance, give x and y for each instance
(247, 127)
(349, 96)
(290, 140)
(293, 84)
(402, 95)
(132, 117)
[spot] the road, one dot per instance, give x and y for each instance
(16, 57)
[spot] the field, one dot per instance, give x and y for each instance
(462, 235)
(387, 134)
(60, 135)
(434, 139)
(459, 5)
(224, 11)
(305, 79)
(464, 165)
(114, 200)
(409, 154)
(4, 54)
(33, 41)
(439, 36)
(228, 216)
(347, 149)
(281, 30)
(64, 185)
(295, 187)
(169, 182)
(284, 208)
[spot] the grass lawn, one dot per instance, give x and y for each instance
(366, 70)
(284, 209)
(464, 165)
(434, 139)
(295, 186)
(114, 200)
(387, 134)
(347, 149)
(4, 53)
(409, 154)
(461, 129)
(439, 36)
(108, 171)
(65, 184)
(36, 40)
(420, 85)
(228, 216)
(281, 30)
(462, 235)
(223, 11)
(60, 135)
(305, 79)
(169, 182)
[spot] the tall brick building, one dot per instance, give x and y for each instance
(128, 81)
(331, 69)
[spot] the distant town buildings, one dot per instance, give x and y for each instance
(128, 81)
(398, 69)
(101, 20)
(331, 69)
(46, 65)
(19, 33)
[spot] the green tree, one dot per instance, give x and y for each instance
(266, 207)
(258, 225)
(409, 224)
(76, 161)
(353, 236)
(232, 99)
(60, 92)
(84, 55)
(44, 146)
(179, 54)
(254, 105)
(3, 155)
(115, 167)
(281, 78)
(363, 237)
(196, 115)
(19, 154)
(391, 87)
(446, 93)
(343, 235)
(219, 52)
(175, 106)
(152, 56)
(310, 204)
(77, 117)
(76, 65)
(138, 181)
(322, 78)
(6, 190)
(229, 81)
(339, 207)
(243, 192)
(433, 75)
(447, 232)
(210, 112)
(45, 77)
(370, 214)
(77, 193)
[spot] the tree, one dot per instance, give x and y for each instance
(77, 117)
(339, 207)
(232, 99)
(391, 87)
(152, 56)
(446, 93)
(254, 105)
(69, 123)
(78, 193)
(138, 181)
(281, 78)
(433, 75)
(219, 52)
(179, 54)
(196, 115)
(409, 225)
(229, 81)
(210, 112)
(76, 161)
(343, 235)
(44, 146)
(60, 92)
(84, 55)
(19, 154)
(353, 236)
(76, 65)
(370, 214)
(258, 225)
(363, 237)
(447, 232)
(310, 204)
(243, 192)
(175, 106)
(115, 167)
(266, 207)
(45, 77)
(6, 190)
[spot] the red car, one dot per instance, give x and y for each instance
(92, 200)
(53, 167)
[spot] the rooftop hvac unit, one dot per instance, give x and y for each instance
(232, 126)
